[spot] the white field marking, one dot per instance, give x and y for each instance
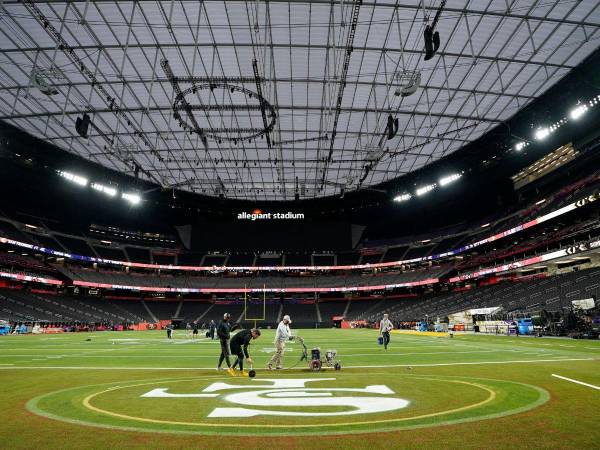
(264, 350)
(472, 363)
(212, 368)
(6, 364)
(593, 348)
(577, 382)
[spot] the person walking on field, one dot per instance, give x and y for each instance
(385, 326)
(224, 332)
(211, 329)
(282, 335)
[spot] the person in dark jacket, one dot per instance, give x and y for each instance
(224, 330)
(211, 329)
(239, 347)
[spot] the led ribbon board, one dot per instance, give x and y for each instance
(22, 277)
(243, 290)
(572, 250)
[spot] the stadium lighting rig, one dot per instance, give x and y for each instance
(450, 179)
(521, 145)
(131, 197)
(578, 111)
(134, 199)
(542, 133)
(77, 179)
(402, 197)
(110, 191)
(425, 189)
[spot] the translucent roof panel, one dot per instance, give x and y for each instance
(269, 100)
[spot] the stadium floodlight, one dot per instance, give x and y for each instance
(449, 179)
(402, 197)
(520, 146)
(425, 189)
(542, 133)
(134, 199)
(106, 189)
(81, 181)
(578, 111)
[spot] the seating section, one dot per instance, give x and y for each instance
(190, 259)
(241, 260)
(371, 259)
(332, 309)
(163, 310)
(298, 259)
(395, 254)
(9, 231)
(20, 305)
(323, 260)
(193, 310)
(348, 259)
(167, 279)
(46, 241)
(550, 293)
(299, 312)
(163, 259)
(133, 310)
(235, 308)
(23, 262)
(115, 254)
(138, 254)
(76, 246)
(263, 260)
(214, 260)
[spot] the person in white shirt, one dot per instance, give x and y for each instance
(385, 326)
(282, 335)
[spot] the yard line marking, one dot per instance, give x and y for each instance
(577, 382)
(472, 363)
(264, 350)
(347, 367)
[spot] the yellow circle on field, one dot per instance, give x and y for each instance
(87, 402)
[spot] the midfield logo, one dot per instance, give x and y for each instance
(292, 395)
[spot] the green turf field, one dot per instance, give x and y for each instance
(139, 390)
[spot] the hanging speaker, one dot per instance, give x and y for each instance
(81, 125)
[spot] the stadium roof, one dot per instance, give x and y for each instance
(309, 117)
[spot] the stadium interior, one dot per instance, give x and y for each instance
(164, 164)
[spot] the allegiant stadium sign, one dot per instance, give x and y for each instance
(257, 214)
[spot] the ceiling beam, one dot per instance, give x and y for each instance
(281, 107)
(415, 6)
(165, 46)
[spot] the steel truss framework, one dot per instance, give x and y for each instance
(328, 68)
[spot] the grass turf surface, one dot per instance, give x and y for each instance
(62, 391)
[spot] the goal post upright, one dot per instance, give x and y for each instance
(246, 302)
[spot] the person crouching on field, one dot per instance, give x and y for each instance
(282, 335)
(385, 326)
(239, 347)
(223, 332)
